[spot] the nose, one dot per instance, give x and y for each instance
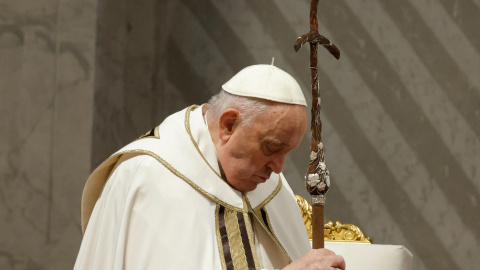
(276, 164)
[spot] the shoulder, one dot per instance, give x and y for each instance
(131, 169)
(143, 172)
(134, 162)
(134, 166)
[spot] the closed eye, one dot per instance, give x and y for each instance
(272, 148)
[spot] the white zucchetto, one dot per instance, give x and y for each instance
(266, 82)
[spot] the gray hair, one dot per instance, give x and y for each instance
(249, 108)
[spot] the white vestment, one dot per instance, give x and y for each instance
(165, 206)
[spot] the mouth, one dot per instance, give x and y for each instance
(263, 178)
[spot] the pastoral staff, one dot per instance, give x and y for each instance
(205, 189)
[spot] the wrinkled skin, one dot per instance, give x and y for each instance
(318, 259)
(248, 155)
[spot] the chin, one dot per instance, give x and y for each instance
(246, 184)
(247, 188)
(253, 186)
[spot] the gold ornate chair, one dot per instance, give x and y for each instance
(333, 233)
(343, 239)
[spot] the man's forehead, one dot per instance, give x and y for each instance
(279, 122)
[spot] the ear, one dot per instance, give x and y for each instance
(229, 121)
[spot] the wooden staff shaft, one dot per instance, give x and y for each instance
(317, 178)
(318, 222)
(316, 129)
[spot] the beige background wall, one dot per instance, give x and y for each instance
(401, 108)
(47, 70)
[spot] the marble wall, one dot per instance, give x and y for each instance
(400, 108)
(46, 108)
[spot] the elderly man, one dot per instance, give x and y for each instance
(204, 190)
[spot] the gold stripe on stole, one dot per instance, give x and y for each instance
(251, 238)
(237, 250)
(235, 240)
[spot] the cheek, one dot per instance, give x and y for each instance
(243, 167)
(244, 158)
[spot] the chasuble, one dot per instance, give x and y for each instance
(160, 203)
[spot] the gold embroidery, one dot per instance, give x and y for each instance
(270, 197)
(258, 214)
(183, 177)
(237, 249)
(187, 127)
(153, 133)
(274, 235)
(219, 238)
(270, 232)
(251, 236)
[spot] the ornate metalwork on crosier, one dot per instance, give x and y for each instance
(318, 176)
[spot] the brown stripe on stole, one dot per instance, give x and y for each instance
(265, 219)
(233, 233)
(245, 240)
(224, 237)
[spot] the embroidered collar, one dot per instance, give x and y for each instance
(201, 139)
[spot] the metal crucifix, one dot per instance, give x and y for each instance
(317, 179)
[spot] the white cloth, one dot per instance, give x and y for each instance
(373, 257)
(159, 208)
